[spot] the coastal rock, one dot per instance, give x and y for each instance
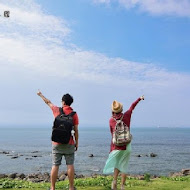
(35, 177)
(176, 174)
(12, 176)
(185, 171)
(62, 177)
(139, 155)
(91, 155)
(14, 157)
(153, 155)
(35, 151)
(62, 173)
(4, 152)
(20, 176)
(80, 176)
(140, 177)
(3, 176)
(35, 156)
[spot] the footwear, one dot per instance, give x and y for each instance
(114, 185)
(75, 188)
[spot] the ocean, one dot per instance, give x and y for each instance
(33, 148)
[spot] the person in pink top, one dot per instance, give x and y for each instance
(67, 150)
(118, 159)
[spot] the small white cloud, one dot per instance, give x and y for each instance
(102, 1)
(156, 7)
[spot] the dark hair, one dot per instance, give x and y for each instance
(68, 99)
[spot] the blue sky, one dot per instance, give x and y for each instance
(99, 51)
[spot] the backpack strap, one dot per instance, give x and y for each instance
(61, 110)
(118, 119)
(72, 113)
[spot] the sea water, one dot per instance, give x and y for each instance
(33, 148)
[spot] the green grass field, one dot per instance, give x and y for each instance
(103, 183)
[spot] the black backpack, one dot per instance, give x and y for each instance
(62, 127)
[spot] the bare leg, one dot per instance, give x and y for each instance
(123, 179)
(115, 175)
(54, 173)
(71, 172)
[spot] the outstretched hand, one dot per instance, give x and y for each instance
(39, 92)
(142, 97)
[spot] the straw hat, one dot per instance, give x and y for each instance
(116, 107)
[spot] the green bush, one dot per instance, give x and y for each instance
(147, 177)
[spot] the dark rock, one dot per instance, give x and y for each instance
(139, 155)
(80, 176)
(14, 157)
(62, 177)
(28, 158)
(4, 152)
(46, 174)
(35, 151)
(91, 155)
(3, 176)
(185, 171)
(21, 176)
(153, 155)
(33, 175)
(35, 156)
(12, 176)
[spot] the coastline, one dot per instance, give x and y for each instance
(45, 177)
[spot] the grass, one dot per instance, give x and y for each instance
(103, 183)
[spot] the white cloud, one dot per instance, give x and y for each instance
(39, 44)
(157, 7)
(102, 1)
(27, 19)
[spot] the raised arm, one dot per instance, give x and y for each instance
(133, 105)
(48, 102)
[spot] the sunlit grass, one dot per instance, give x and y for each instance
(104, 183)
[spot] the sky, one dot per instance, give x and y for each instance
(98, 51)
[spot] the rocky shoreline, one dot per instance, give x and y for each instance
(45, 177)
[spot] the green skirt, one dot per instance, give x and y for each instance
(118, 159)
